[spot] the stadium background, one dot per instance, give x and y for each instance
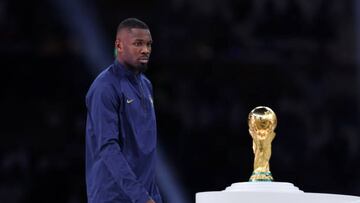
(213, 61)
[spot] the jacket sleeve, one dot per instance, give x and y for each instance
(103, 108)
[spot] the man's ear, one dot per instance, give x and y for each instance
(118, 45)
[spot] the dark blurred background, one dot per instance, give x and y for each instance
(213, 61)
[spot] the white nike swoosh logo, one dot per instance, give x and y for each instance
(129, 101)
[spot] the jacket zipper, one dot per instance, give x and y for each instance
(142, 94)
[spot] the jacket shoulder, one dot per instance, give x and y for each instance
(104, 82)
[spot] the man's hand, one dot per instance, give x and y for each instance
(150, 201)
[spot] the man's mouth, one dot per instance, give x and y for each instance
(144, 60)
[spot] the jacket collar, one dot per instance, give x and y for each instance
(124, 71)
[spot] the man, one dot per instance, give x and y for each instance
(121, 125)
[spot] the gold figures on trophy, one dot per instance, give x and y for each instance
(262, 123)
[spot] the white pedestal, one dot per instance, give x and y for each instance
(269, 192)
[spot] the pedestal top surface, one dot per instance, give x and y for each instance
(270, 192)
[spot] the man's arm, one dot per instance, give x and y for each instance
(103, 108)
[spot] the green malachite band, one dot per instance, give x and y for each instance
(260, 180)
(262, 177)
(261, 173)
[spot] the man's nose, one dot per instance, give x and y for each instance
(146, 50)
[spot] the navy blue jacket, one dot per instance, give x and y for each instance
(120, 138)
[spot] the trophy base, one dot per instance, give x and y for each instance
(261, 177)
(269, 192)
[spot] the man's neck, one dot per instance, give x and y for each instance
(129, 67)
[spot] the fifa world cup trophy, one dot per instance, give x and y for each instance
(262, 123)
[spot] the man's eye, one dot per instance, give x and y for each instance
(138, 43)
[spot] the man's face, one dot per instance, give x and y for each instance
(134, 48)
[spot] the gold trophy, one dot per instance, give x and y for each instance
(262, 123)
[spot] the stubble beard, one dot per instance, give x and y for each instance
(142, 67)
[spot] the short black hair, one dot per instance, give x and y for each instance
(130, 23)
